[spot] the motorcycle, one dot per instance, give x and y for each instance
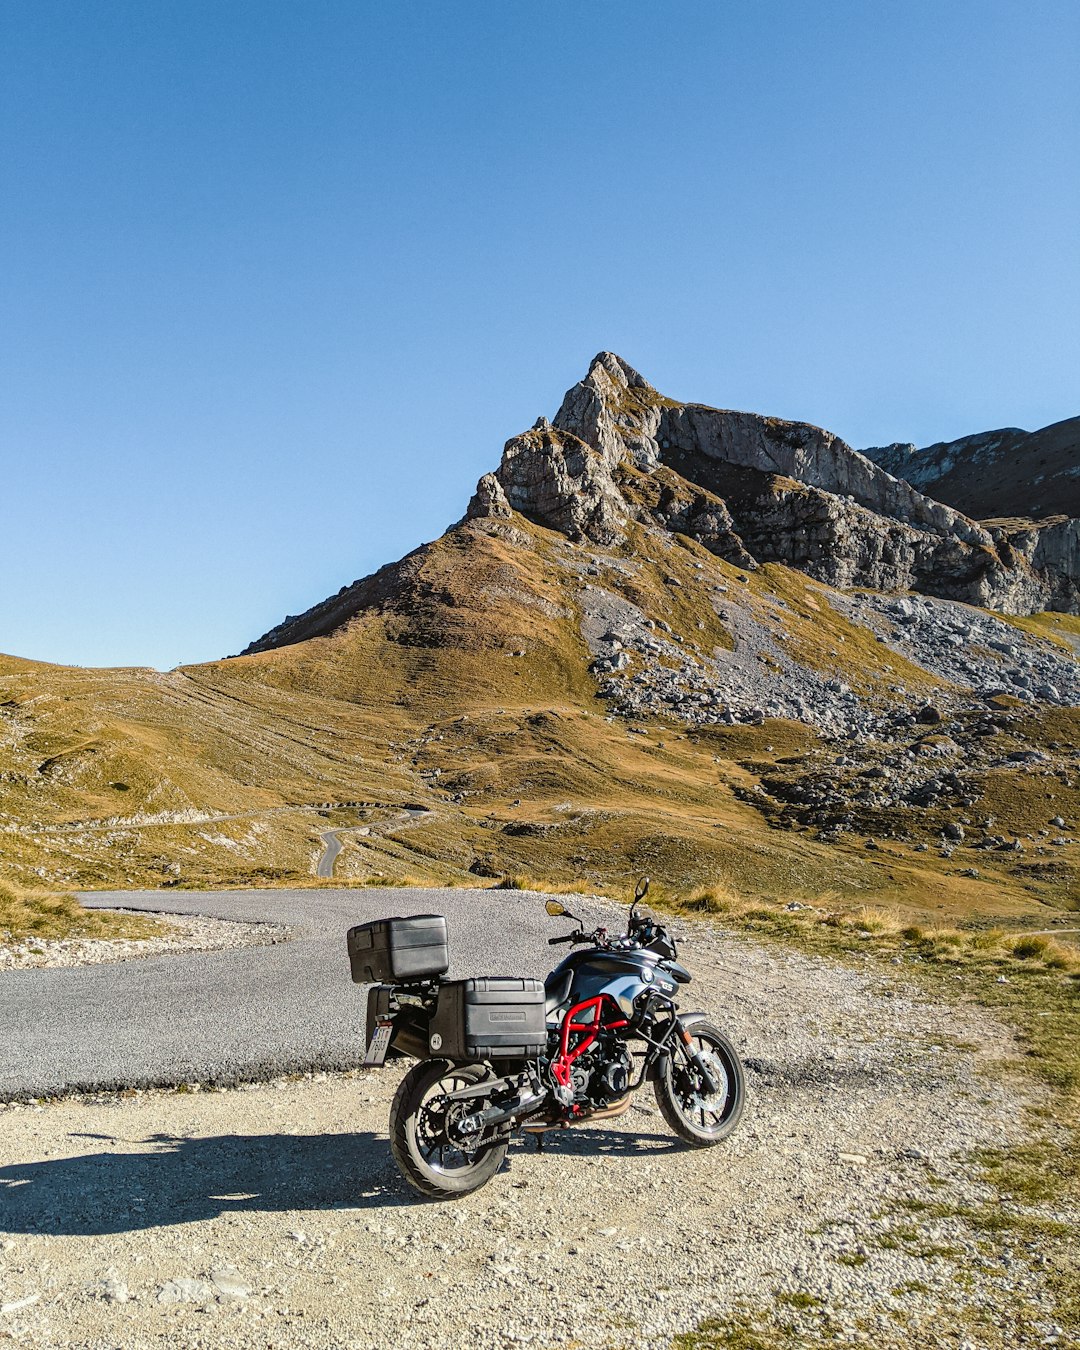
(498, 1055)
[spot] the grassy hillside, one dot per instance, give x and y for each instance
(461, 685)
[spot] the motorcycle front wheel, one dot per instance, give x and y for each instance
(698, 1116)
(431, 1158)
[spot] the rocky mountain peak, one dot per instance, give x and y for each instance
(923, 468)
(613, 410)
(753, 489)
(621, 462)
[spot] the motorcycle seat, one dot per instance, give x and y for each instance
(557, 991)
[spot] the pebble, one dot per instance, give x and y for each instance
(111, 1288)
(184, 1290)
(20, 1303)
(228, 1284)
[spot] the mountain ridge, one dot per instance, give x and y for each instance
(750, 489)
(996, 474)
(609, 665)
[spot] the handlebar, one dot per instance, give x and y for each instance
(599, 937)
(642, 931)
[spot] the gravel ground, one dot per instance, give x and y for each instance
(271, 1215)
(187, 934)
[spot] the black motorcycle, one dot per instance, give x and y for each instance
(503, 1054)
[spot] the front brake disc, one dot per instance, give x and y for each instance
(713, 1102)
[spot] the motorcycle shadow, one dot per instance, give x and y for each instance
(183, 1180)
(175, 1180)
(582, 1141)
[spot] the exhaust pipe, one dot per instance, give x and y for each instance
(610, 1112)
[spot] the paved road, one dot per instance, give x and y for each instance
(332, 840)
(243, 1013)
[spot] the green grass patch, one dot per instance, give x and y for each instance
(799, 1298)
(725, 1333)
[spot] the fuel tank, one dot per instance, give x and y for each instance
(623, 975)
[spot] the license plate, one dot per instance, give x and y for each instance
(379, 1044)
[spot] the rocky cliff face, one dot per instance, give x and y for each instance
(758, 489)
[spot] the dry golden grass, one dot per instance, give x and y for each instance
(870, 919)
(40, 914)
(1061, 629)
(545, 886)
(828, 924)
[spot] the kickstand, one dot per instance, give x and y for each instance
(539, 1141)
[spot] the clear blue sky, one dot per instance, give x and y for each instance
(279, 278)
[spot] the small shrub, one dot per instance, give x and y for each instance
(1027, 947)
(871, 920)
(988, 939)
(799, 1299)
(1059, 957)
(715, 899)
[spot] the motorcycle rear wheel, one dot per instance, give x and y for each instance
(698, 1117)
(429, 1160)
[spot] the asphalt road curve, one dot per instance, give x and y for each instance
(244, 1013)
(332, 841)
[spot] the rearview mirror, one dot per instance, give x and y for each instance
(641, 890)
(556, 909)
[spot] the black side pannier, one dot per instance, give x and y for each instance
(494, 1017)
(399, 950)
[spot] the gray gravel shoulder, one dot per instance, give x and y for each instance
(271, 1215)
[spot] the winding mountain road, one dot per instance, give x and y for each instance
(239, 1013)
(332, 838)
(332, 841)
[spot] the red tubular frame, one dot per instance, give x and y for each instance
(588, 1031)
